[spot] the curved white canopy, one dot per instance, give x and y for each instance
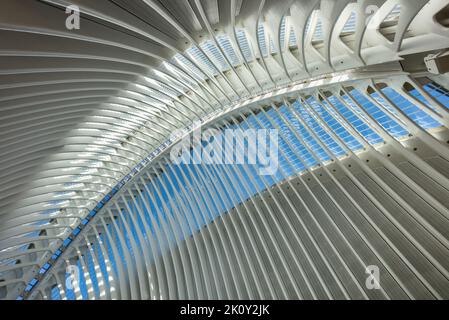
(81, 108)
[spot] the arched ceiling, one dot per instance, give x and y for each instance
(79, 109)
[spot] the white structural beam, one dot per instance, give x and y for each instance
(86, 122)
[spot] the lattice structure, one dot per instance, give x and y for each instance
(87, 118)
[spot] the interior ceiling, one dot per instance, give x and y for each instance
(81, 108)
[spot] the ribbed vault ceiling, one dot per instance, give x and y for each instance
(79, 109)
